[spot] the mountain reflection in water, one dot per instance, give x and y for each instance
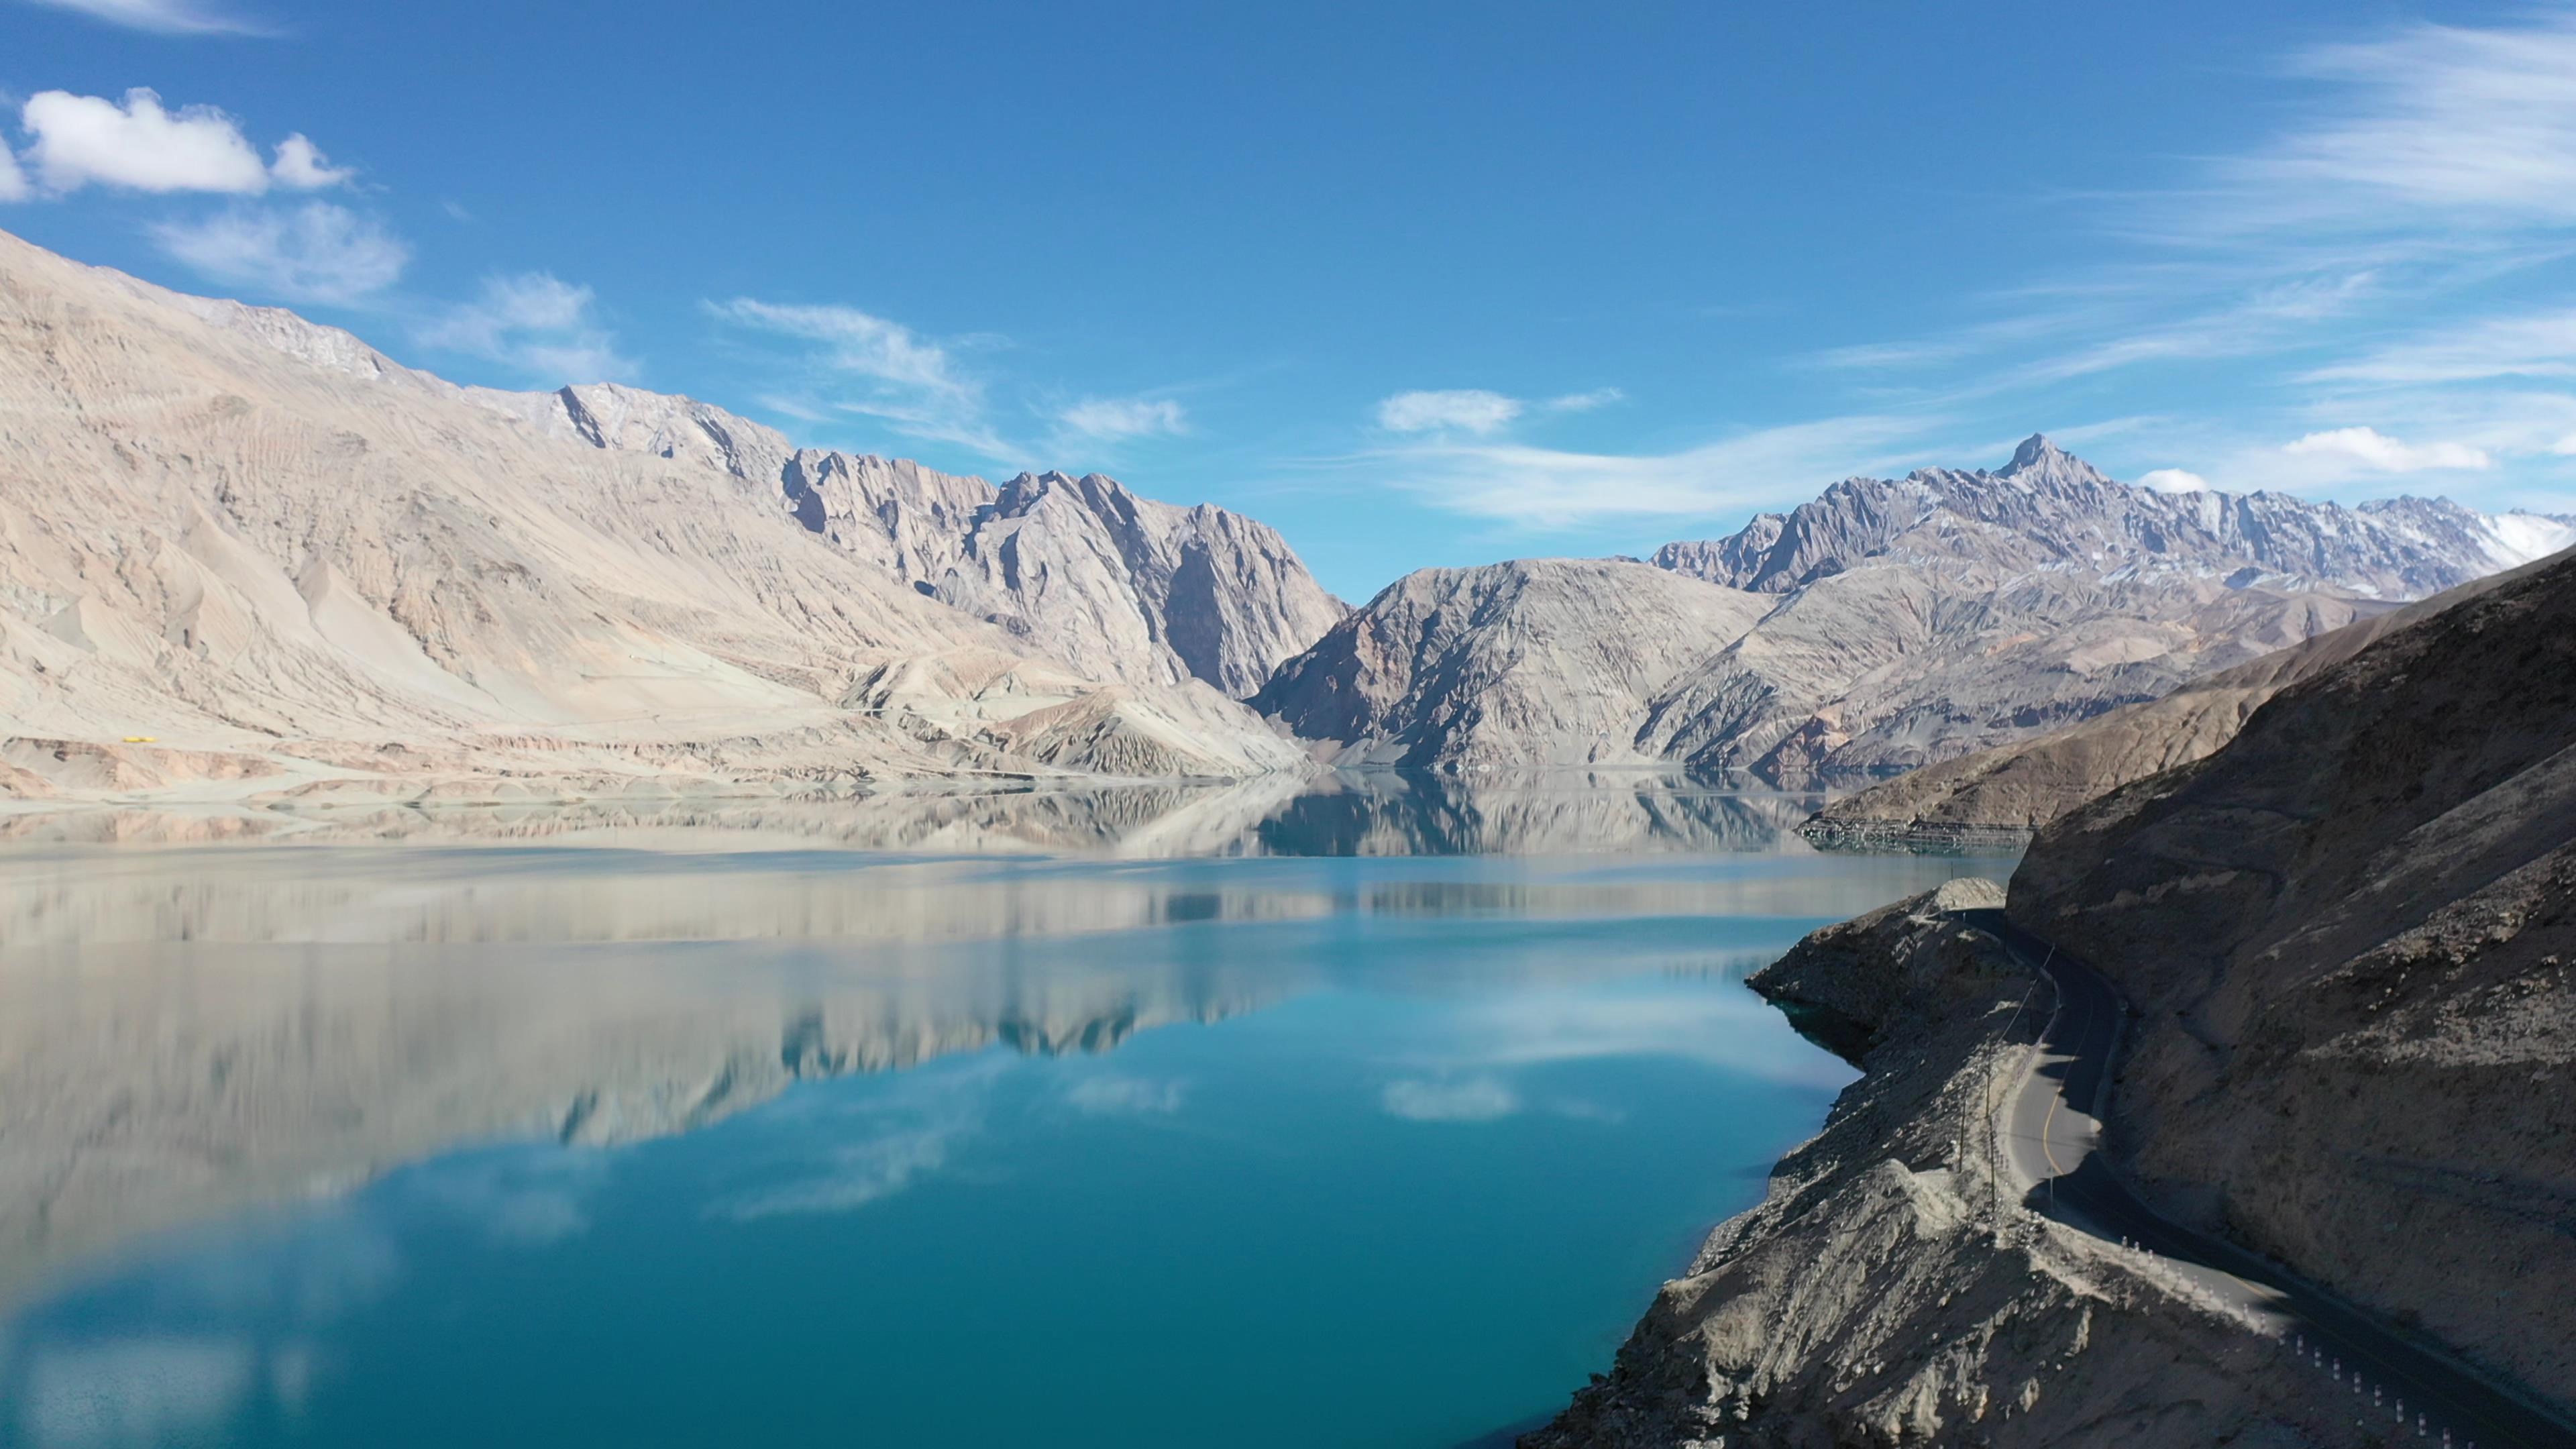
(1340, 813)
(192, 1032)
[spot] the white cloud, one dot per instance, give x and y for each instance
(2429, 125)
(909, 380)
(163, 17)
(1114, 419)
(1584, 402)
(848, 1153)
(314, 253)
(1112, 1095)
(301, 166)
(852, 1175)
(2173, 480)
(1464, 410)
(1477, 1099)
(535, 322)
(2373, 450)
(13, 182)
(140, 145)
(2542, 345)
(1541, 487)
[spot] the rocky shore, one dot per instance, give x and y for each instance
(2341, 937)
(1893, 1288)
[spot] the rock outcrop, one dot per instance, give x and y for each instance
(1915, 620)
(2048, 511)
(2003, 794)
(1534, 662)
(1081, 570)
(2351, 935)
(1891, 1288)
(241, 547)
(2347, 934)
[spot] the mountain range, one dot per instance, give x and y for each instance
(245, 554)
(249, 557)
(1886, 625)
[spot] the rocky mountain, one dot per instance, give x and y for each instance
(2349, 937)
(2017, 788)
(1536, 662)
(246, 554)
(1910, 621)
(1895, 1287)
(2048, 511)
(1081, 570)
(2343, 942)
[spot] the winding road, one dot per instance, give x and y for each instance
(2402, 1387)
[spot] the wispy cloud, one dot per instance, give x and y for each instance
(1477, 412)
(2519, 346)
(901, 377)
(1109, 1094)
(164, 17)
(1112, 420)
(534, 321)
(313, 253)
(849, 1153)
(138, 144)
(1462, 410)
(2418, 166)
(13, 181)
(1584, 402)
(1546, 488)
(2426, 126)
(1476, 1099)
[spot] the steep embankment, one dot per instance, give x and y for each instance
(2350, 933)
(2347, 935)
(2006, 793)
(1892, 1289)
(244, 553)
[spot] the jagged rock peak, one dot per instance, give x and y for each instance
(2039, 457)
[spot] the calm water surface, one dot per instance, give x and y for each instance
(440, 1143)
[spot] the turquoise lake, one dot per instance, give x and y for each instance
(1276, 1123)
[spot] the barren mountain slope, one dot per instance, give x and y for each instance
(2047, 510)
(284, 558)
(1081, 569)
(1892, 1287)
(1534, 662)
(2350, 935)
(1929, 617)
(2023, 786)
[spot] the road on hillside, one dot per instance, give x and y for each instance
(2051, 1125)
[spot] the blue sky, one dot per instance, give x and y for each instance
(1417, 283)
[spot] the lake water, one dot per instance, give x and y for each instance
(1196, 1118)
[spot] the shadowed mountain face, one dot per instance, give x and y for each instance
(1545, 662)
(2023, 786)
(1887, 625)
(246, 554)
(2350, 933)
